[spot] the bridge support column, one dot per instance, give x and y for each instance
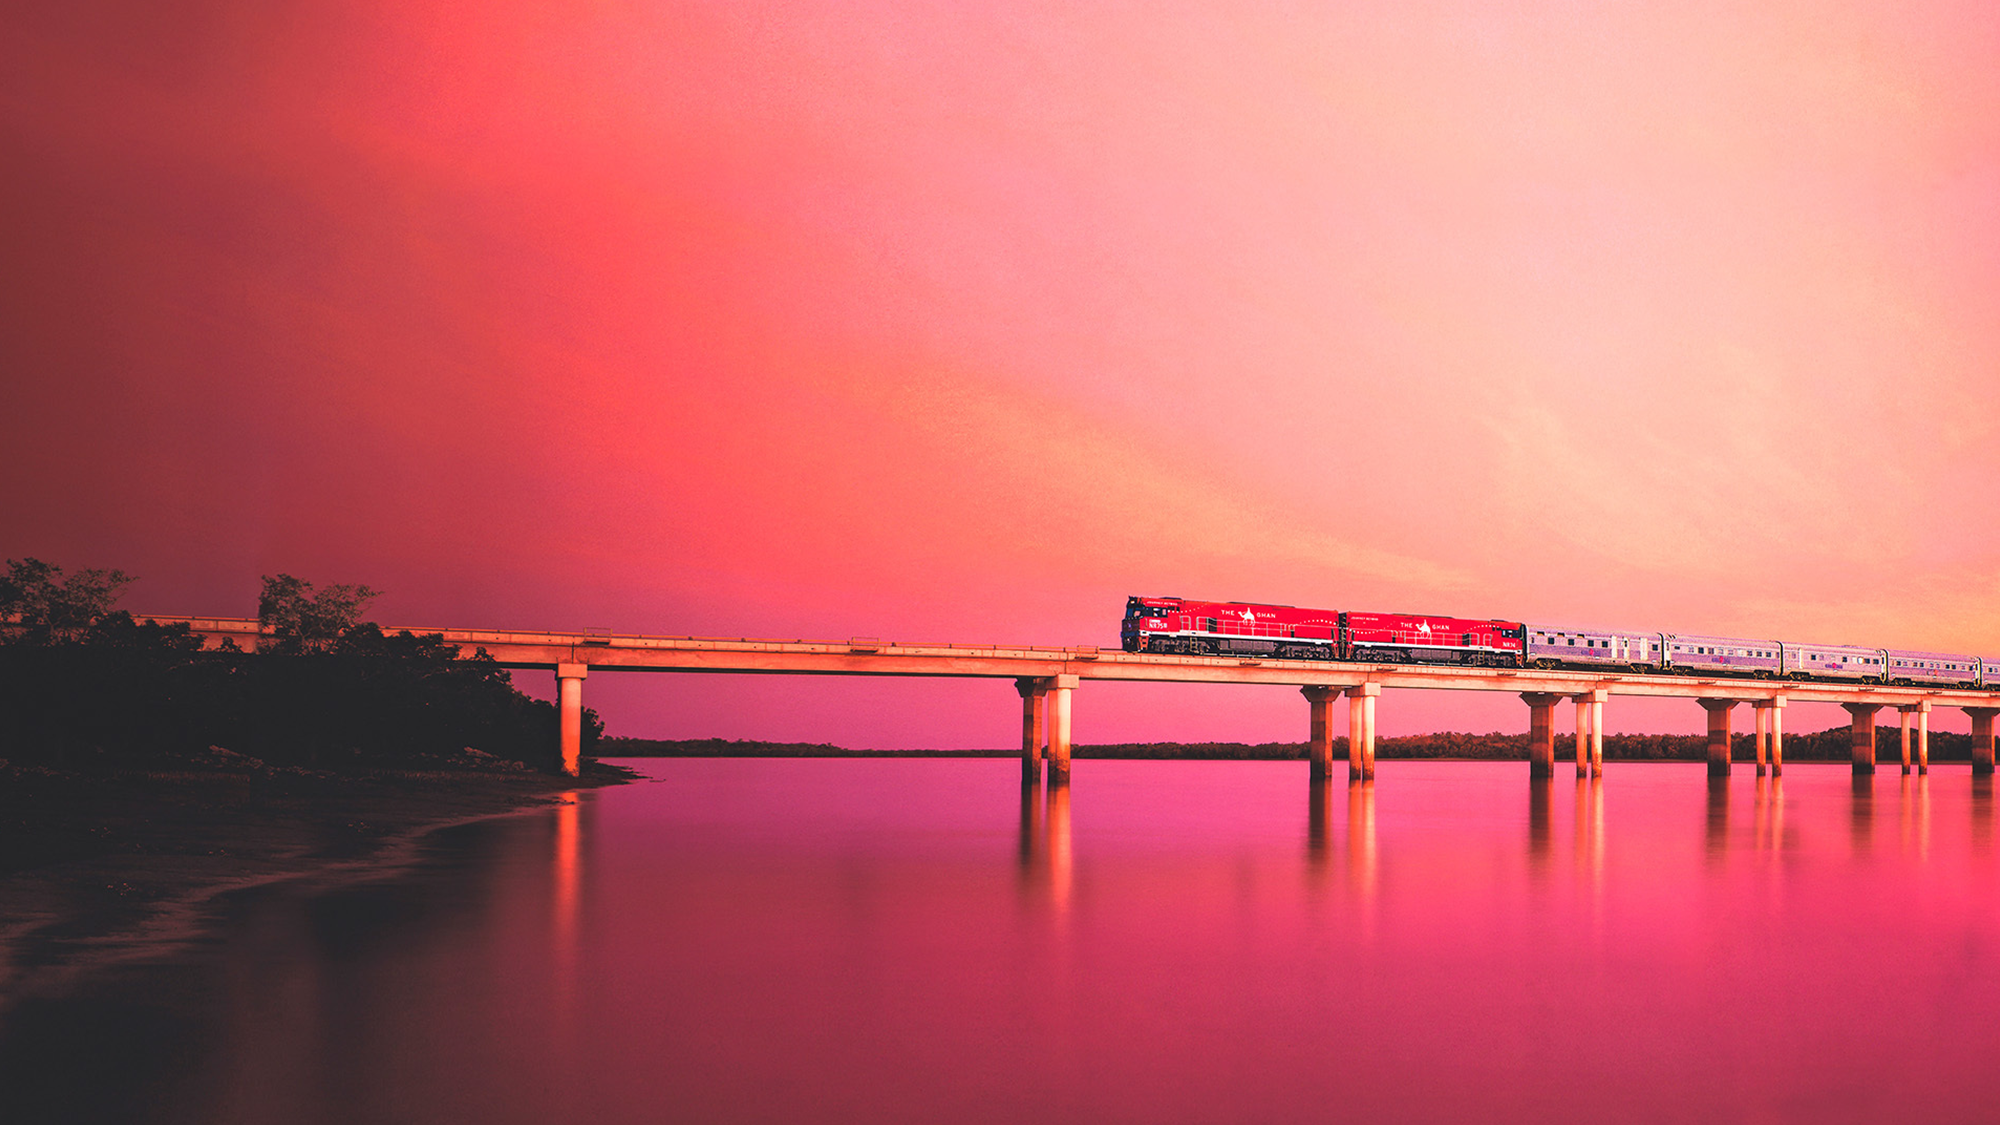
(1361, 731)
(1541, 732)
(1582, 736)
(1589, 733)
(1762, 715)
(1319, 751)
(1718, 734)
(1034, 704)
(1903, 731)
(1982, 738)
(1775, 711)
(1597, 699)
(1862, 734)
(1060, 688)
(569, 707)
(1924, 737)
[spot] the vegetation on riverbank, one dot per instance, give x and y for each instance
(141, 775)
(84, 686)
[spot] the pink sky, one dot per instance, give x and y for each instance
(933, 323)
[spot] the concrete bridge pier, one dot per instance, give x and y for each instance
(1541, 732)
(1361, 731)
(569, 708)
(1060, 689)
(1589, 733)
(1922, 710)
(1982, 738)
(1034, 705)
(1924, 737)
(1582, 736)
(1597, 699)
(1770, 734)
(1319, 751)
(1718, 734)
(1863, 735)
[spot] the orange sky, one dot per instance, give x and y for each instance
(928, 323)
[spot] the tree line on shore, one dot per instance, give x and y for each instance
(1831, 745)
(83, 683)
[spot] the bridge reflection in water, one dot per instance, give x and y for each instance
(565, 894)
(906, 940)
(1046, 858)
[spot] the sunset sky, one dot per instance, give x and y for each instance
(949, 322)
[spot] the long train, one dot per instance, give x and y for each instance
(1177, 625)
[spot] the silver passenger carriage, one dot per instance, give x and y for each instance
(1932, 668)
(1839, 662)
(1551, 646)
(1690, 654)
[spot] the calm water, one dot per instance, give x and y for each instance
(910, 940)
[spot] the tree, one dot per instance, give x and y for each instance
(34, 594)
(305, 620)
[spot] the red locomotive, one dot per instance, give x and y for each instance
(1176, 625)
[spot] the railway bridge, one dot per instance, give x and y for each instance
(1048, 679)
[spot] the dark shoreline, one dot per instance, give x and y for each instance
(101, 867)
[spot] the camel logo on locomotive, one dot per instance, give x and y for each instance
(1176, 626)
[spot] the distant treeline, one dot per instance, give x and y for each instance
(82, 683)
(610, 747)
(1819, 746)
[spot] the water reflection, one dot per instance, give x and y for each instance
(1914, 807)
(1045, 857)
(1861, 814)
(1982, 813)
(1590, 830)
(568, 809)
(853, 940)
(1319, 816)
(1361, 858)
(1769, 822)
(1541, 803)
(1716, 833)
(1031, 826)
(564, 906)
(1059, 852)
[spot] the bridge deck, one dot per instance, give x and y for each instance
(618, 652)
